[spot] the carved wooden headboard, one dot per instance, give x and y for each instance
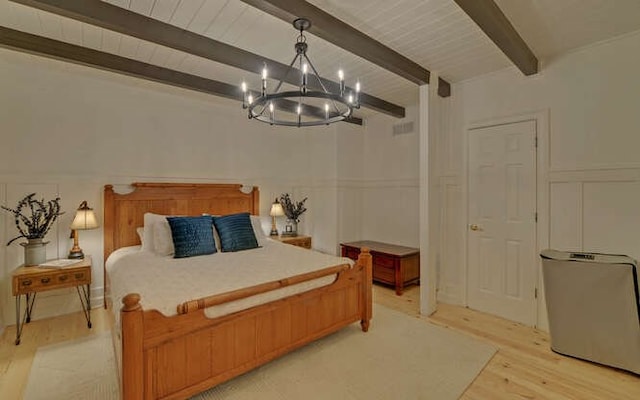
(123, 213)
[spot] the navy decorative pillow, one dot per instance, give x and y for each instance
(192, 236)
(236, 232)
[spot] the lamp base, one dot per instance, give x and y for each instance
(274, 232)
(76, 254)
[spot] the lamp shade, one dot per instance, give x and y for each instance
(85, 218)
(276, 210)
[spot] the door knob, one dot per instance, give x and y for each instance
(474, 227)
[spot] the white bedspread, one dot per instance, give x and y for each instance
(164, 282)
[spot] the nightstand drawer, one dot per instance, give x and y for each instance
(53, 281)
(48, 279)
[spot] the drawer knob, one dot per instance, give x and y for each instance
(45, 280)
(63, 278)
(26, 282)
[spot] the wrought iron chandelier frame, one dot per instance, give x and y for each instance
(337, 107)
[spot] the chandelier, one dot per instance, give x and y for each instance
(302, 106)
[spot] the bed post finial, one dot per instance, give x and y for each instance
(131, 302)
(365, 260)
(131, 318)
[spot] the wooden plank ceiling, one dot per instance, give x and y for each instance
(228, 22)
(434, 35)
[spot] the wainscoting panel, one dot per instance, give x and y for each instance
(349, 214)
(566, 216)
(391, 214)
(612, 217)
(595, 210)
(450, 263)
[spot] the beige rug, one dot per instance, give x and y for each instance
(399, 358)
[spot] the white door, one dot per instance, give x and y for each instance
(501, 232)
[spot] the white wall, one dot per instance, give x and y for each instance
(592, 97)
(68, 130)
(390, 203)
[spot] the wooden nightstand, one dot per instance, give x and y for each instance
(300, 241)
(28, 281)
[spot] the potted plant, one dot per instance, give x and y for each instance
(293, 210)
(34, 218)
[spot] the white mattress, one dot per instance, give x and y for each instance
(164, 282)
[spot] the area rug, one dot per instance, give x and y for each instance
(401, 357)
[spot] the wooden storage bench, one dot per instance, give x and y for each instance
(394, 265)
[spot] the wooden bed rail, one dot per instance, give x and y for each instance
(210, 301)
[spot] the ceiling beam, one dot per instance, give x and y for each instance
(26, 42)
(333, 30)
(120, 20)
(488, 16)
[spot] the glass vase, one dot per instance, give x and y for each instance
(291, 228)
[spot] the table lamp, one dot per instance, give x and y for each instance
(276, 211)
(85, 219)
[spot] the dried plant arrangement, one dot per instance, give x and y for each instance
(292, 209)
(33, 217)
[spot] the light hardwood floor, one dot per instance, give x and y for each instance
(15, 361)
(523, 368)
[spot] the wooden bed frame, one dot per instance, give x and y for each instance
(176, 357)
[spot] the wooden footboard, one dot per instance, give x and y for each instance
(176, 357)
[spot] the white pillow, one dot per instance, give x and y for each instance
(163, 238)
(256, 222)
(140, 232)
(148, 237)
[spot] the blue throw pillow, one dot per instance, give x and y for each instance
(192, 236)
(236, 232)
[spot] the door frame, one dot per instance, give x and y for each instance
(541, 118)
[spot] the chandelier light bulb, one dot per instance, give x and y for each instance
(271, 111)
(244, 94)
(299, 109)
(264, 81)
(303, 88)
(358, 87)
(350, 98)
(341, 75)
(250, 99)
